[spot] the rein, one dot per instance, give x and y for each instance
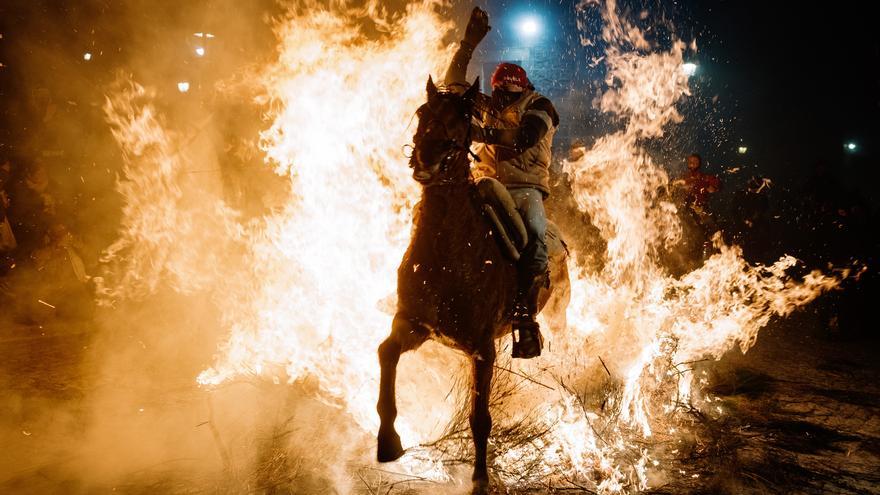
(453, 151)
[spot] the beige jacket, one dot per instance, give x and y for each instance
(531, 168)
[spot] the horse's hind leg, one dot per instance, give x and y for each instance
(405, 336)
(481, 420)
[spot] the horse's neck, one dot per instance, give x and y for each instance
(446, 208)
(440, 201)
(450, 233)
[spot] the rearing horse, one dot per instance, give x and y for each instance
(454, 284)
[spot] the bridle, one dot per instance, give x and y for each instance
(454, 148)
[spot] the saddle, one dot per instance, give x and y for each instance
(507, 224)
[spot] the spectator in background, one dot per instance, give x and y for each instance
(32, 208)
(697, 186)
(693, 191)
(750, 227)
(825, 205)
(7, 237)
(837, 229)
(60, 285)
(37, 181)
(59, 257)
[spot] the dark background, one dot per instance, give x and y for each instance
(792, 82)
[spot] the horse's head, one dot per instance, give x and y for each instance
(442, 140)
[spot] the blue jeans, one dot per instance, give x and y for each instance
(530, 203)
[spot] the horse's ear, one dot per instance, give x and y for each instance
(432, 90)
(471, 94)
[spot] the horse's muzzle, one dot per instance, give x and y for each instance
(422, 176)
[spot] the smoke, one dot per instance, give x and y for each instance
(244, 228)
(103, 397)
(161, 191)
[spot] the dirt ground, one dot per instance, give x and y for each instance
(800, 416)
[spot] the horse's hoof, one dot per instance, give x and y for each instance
(389, 448)
(480, 486)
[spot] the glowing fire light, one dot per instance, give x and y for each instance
(313, 300)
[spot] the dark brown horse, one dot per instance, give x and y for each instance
(454, 284)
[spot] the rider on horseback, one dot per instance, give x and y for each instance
(514, 130)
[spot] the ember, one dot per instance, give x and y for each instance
(262, 219)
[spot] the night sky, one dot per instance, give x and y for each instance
(792, 82)
(805, 81)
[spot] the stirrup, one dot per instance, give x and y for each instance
(530, 341)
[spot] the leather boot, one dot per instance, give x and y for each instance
(527, 338)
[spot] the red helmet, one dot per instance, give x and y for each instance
(507, 73)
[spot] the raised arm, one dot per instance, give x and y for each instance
(477, 27)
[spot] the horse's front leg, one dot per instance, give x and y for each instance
(481, 420)
(404, 336)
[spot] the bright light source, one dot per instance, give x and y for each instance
(199, 35)
(689, 68)
(529, 26)
(183, 86)
(209, 35)
(850, 146)
(200, 51)
(742, 150)
(87, 56)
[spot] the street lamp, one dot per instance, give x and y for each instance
(183, 86)
(201, 47)
(742, 150)
(528, 26)
(851, 147)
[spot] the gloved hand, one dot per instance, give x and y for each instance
(477, 27)
(498, 137)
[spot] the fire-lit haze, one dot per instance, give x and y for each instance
(293, 298)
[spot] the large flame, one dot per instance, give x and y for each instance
(305, 291)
